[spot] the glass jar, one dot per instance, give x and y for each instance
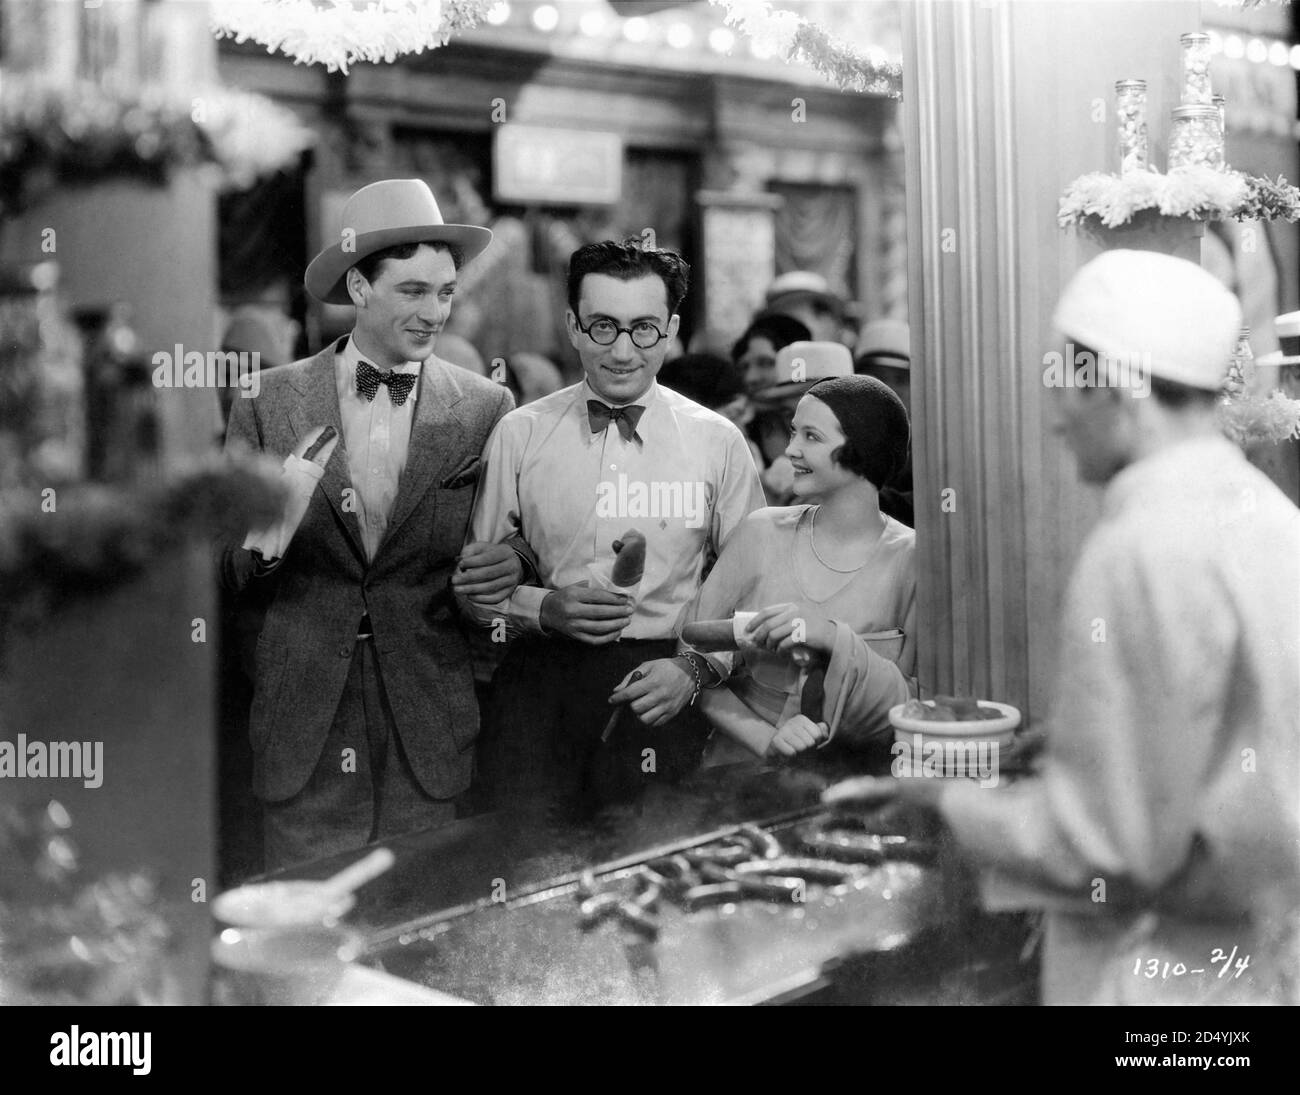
(1241, 368)
(1131, 118)
(1196, 69)
(1195, 138)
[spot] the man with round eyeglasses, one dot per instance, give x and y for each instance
(572, 474)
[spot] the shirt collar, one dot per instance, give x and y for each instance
(649, 399)
(646, 399)
(351, 356)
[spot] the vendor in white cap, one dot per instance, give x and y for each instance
(1163, 825)
(363, 715)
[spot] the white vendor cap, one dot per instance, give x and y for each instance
(1145, 303)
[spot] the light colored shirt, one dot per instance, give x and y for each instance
(875, 607)
(1173, 761)
(376, 435)
(686, 480)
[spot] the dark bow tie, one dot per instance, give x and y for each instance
(600, 415)
(369, 378)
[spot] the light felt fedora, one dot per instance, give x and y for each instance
(1287, 329)
(799, 285)
(886, 342)
(381, 215)
(801, 364)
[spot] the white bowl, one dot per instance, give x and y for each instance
(1001, 729)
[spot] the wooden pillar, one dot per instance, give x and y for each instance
(1004, 104)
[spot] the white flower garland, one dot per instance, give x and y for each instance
(794, 38)
(252, 136)
(1201, 193)
(338, 33)
(1274, 418)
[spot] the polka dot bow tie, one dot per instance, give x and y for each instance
(369, 378)
(600, 415)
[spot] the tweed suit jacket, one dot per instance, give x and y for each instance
(324, 585)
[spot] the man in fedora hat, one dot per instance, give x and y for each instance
(807, 297)
(363, 716)
(1161, 832)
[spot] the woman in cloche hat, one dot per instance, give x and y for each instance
(830, 573)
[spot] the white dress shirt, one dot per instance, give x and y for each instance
(376, 435)
(685, 479)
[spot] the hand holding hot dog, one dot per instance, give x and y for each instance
(664, 688)
(797, 734)
(594, 616)
(782, 627)
(303, 469)
(487, 573)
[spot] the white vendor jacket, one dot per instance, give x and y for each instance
(1163, 833)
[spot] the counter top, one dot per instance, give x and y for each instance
(467, 909)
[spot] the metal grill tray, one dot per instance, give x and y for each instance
(531, 949)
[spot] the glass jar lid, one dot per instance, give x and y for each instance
(1130, 85)
(1194, 37)
(1195, 110)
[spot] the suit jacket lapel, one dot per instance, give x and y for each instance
(437, 436)
(319, 406)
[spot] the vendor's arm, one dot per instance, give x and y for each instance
(1146, 652)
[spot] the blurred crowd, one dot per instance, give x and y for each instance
(804, 332)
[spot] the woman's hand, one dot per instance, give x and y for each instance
(797, 734)
(782, 627)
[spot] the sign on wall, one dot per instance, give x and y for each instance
(540, 165)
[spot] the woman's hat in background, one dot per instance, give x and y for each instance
(1287, 329)
(381, 215)
(801, 364)
(886, 342)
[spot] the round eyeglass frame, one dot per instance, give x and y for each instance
(660, 335)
